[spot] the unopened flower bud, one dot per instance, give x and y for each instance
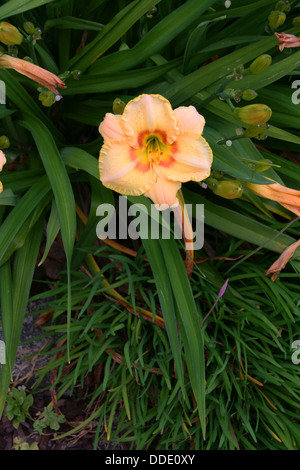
(249, 95)
(29, 27)
(9, 34)
(4, 142)
(47, 98)
(252, 131)
(28, 59)
(123, 46)
(296, 21)
(276, 18)
(283, 5)
(151, 12)
(76, 74)
(228, 189)
(218, 174)
(261, 63)
(253, 113)
(118, 106)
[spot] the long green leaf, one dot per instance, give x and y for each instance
(62, 191)
(58, 177)
(113, 82)
(155, 40)
(17, 217)
(189, 320)
(112, 32)
(14, 7)
(14, 301)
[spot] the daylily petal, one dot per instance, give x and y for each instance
(294, 209)
(110, 128)
(163, 193)
(189, 120)
(125, 169)
(189, 160)
(148, 114)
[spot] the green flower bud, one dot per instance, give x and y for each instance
(261, 165)
(123, 47)
(29, 27)
(261, 63)
(276, 19)
(211, 182)
(253, 113)
(296, 21)
(283, 5)
(47, 98)
(249, 95)
(28, 59)
(4, 142)
(218, 174)
(76, 74)
(118, 106)
(9, 34)
(252, 131)
(228, 189)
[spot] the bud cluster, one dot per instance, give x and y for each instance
(259, 131)
(238, 95)
(35, 33)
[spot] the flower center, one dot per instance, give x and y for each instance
(155, 148)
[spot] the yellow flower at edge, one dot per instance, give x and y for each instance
(2, 163)
(9, 34)
(151, 149)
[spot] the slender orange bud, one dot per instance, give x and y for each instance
(287, 197)
(34, 72)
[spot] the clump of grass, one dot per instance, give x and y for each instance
(251, 381)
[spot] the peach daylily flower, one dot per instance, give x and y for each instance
(287, 40)
(34, 72)
(287, 197)
(2, 163)
(151, 149)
